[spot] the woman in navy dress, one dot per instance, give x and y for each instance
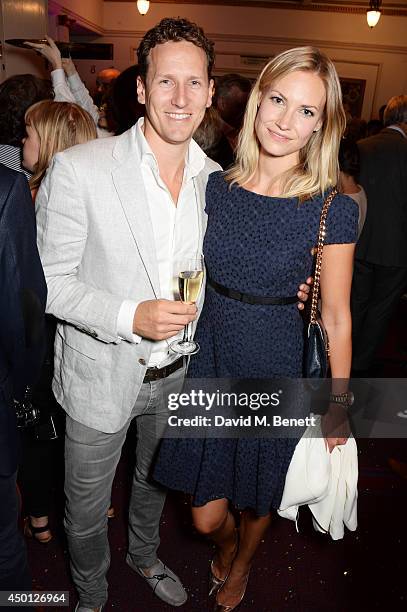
(263, 221)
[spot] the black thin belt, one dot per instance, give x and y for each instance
(251, 299)
(159, 373)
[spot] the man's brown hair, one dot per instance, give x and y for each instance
(396, 111)
(174, 30)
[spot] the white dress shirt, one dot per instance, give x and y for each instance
(176, 228)
(72, 89)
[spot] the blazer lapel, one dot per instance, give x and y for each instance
(130, 189)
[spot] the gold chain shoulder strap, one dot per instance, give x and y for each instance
(320, 246)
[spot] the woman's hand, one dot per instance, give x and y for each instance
(68, 66)
(303, 292)
(335, 426)
(49, 51)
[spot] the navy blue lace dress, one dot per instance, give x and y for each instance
(262, 246)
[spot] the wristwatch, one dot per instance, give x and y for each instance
(345, 399)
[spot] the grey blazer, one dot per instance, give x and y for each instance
(95, 240)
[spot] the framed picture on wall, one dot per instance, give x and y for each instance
(353, 91)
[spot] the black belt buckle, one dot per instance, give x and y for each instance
(235, 295)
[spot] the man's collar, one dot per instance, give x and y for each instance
(397, 128)
(142, 145)
(195, 158)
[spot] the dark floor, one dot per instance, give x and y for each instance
(293, 572)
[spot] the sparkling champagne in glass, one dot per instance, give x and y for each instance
(189, 272)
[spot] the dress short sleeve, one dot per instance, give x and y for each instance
(342, 221)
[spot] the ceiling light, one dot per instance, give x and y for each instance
(143, 6)
(374, 12)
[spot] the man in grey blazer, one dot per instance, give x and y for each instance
(113, 215)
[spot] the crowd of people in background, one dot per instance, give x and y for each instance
(40, 118)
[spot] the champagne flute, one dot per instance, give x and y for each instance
(189, 272)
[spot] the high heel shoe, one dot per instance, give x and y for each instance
(37, 533)
(216, 583)
(226, 608)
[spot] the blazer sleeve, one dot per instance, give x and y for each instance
(62, 228)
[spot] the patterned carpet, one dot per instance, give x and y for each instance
(294, 572)
(305, 572)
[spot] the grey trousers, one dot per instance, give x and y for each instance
(91, 458)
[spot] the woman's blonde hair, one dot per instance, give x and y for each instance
(59, 125)
(318, 159)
